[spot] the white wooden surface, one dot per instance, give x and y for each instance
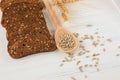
(102, 14)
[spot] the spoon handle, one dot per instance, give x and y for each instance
(52, 14)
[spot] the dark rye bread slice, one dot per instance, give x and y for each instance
(24, 40)
(30, 44)
(6, 3)
(29, 31)
(26, 18)
(14, 12)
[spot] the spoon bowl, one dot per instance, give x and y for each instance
(70, 44)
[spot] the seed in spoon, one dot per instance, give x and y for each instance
(66, 42)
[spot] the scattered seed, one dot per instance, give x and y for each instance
(95, 43)
(85, 76)
(98, 69)
(63, 61)
(67, 60)
(95, 65)
(87, 51)
(119, 47)
(102, 44)
(73, 78)
(96, 32)
(78, 62)
(86, 37)
(87, 56)
(89, 25)
(109, 40)
(81, 53)
(80, 41)
(97, 62)
(61, 65)
(117, 54)
(71, 55)
(91, 37)
(86, 65)
(96, 54)
(82, 47)
(76, 35)
(104, 49)
(94, 59)
(80, 68)
(84, 52)
(90, 65)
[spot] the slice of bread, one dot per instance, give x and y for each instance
(27, 32)
(6, 3)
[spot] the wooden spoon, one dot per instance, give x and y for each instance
(65, 40)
